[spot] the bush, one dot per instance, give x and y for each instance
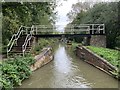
(15, 70)
(43, 42)
(118, 42)
(4, 49)
(0, 49)
(5, 82)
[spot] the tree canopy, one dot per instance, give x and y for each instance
(106, 13)
(15, 14)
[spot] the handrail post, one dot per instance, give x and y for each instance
(14, 39)
(27, 40)
(98, 29)
(103, 28)
(23, 54)
(88, 29)
(23, 50)
(36, 30)
(92, 28)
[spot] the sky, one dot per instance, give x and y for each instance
(65, 6)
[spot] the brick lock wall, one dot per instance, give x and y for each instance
(95, 60)
(98, 40)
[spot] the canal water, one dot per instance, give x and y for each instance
(68, 71)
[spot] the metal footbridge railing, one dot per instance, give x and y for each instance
(49, 29)
(23, 30)
(27, 40)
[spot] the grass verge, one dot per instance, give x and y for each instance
(110, 55)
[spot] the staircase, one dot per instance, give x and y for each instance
(18, 48)
(21, 42)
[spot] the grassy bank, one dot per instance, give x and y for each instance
(110, 55)
(74, 44)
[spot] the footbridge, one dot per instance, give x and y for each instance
(21, 42)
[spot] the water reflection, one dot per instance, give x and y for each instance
(68, 71)
(65, 70)
(61, 61)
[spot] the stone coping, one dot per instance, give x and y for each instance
(104, 60)
(43, 58)
(102, 64)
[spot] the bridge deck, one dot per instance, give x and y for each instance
(66, 35)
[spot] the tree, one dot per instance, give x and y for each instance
(78, 8)
(25, 13)
(106, 13)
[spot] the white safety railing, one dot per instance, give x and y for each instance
(15, 37)
(72, 28)
(27, 40)
(89, 28)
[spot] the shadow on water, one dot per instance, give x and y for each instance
(68, 71)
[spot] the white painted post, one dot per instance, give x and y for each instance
(103, 28)
(23, 50)
(92, 28)
(88, 31)
(23, 54)
(98, 28)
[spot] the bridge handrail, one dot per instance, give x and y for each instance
(81, 27)
(14, 35)
(13, 39)
(28, 38)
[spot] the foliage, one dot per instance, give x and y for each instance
(5, 83)
(15, 70)
(110, 55)
(0, 49)
(3, 51)
(106, 13)
(74, 44)
(78, 8)
(15, 14)
(43, 42)
(118, 41)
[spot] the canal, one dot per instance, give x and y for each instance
(67, 71)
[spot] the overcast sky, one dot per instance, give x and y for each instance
(64, 7)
